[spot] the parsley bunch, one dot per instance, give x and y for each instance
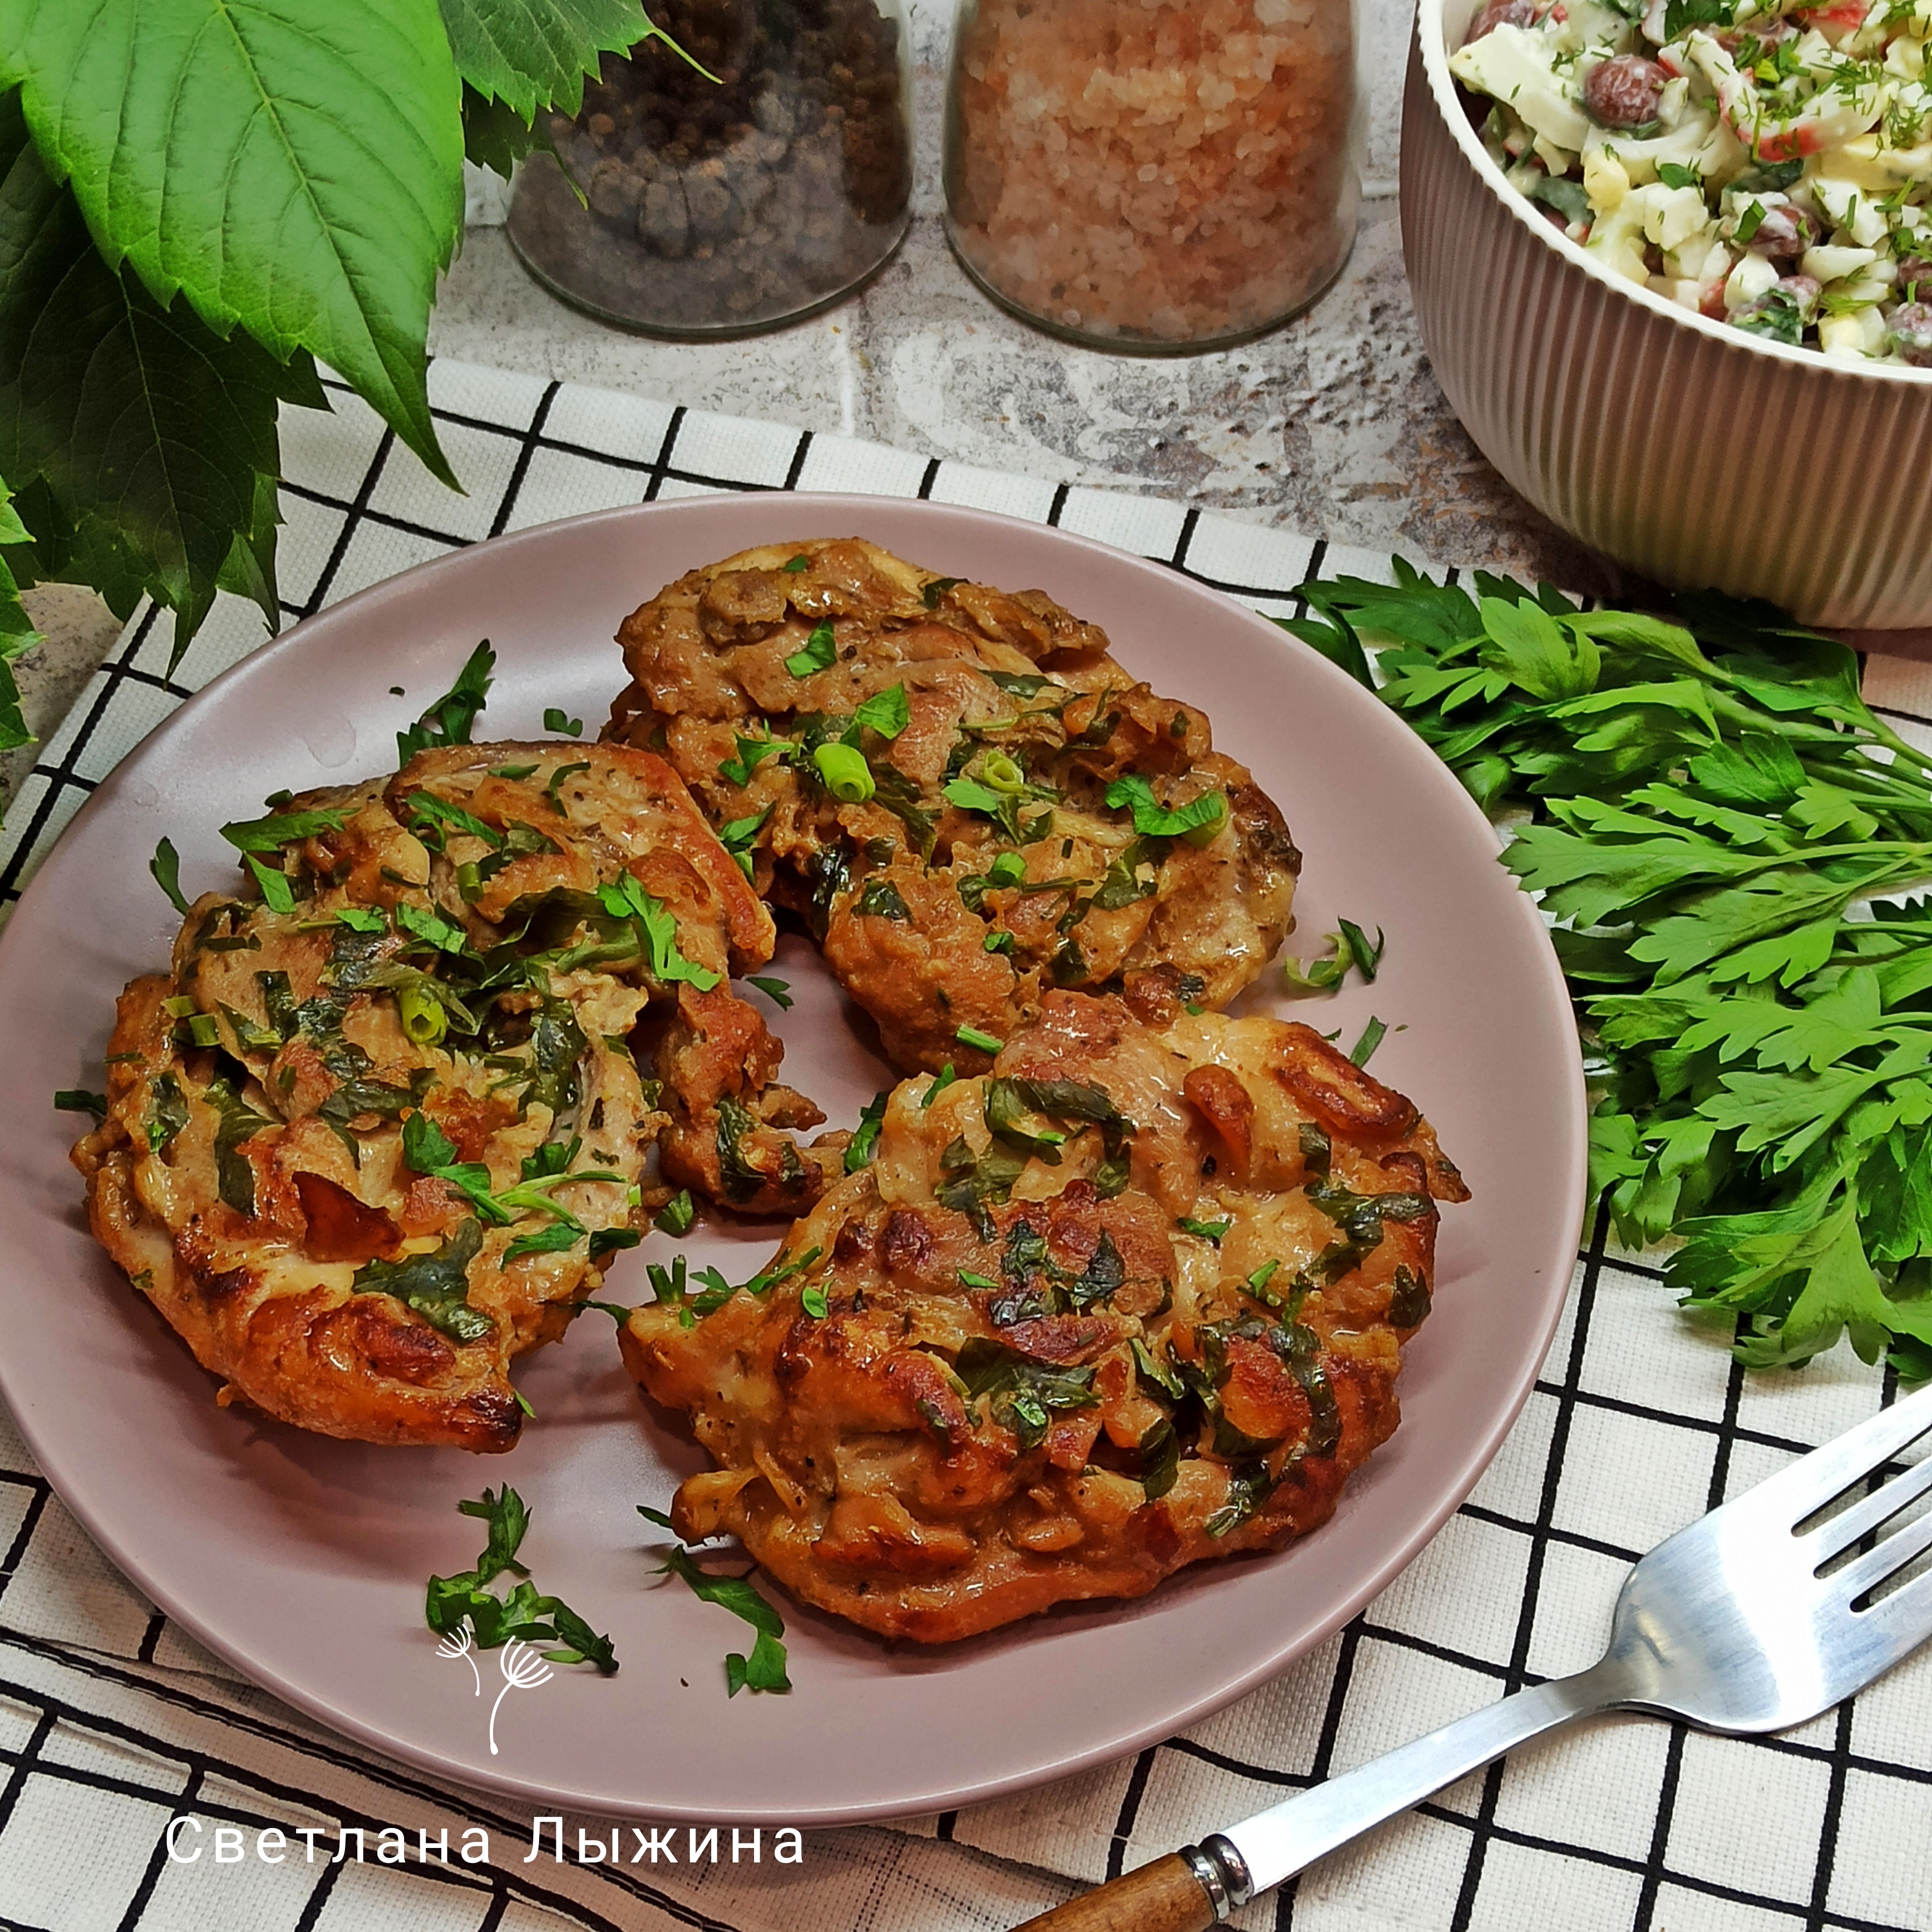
(1727, 841)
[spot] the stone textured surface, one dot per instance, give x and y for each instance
(1333, 424)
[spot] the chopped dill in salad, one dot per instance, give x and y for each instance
(1766, 164)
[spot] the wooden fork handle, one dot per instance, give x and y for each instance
(1163, 1896)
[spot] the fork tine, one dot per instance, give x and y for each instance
(1881, 1506)
(1868, 1571)
(1813, 1481)
(1903, 1621)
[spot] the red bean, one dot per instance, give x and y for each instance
(1500, 14)
(1623, 92)
(1909, 333)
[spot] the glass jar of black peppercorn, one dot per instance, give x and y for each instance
(760, 181)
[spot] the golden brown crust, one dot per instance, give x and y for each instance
(1127, 1302)
(450, 955)
(987, 867)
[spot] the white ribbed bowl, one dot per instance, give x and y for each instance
(1694, 452)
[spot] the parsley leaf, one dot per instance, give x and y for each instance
(556, 720)
(777, 991)
(1197, 821)
(165, 866)
(452, 1602)
(451, 718)
(859, 1151)
(819, 654)
(271, 834)
(764, 1668)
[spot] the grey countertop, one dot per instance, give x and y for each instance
(1333, 424)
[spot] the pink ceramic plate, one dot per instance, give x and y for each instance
(302, 1561)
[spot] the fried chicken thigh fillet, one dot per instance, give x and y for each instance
(250, 1174)
(938, 911)
(1034, 1382)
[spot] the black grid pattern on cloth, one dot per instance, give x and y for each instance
(1637, 1425)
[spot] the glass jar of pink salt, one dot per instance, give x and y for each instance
(1154, 174)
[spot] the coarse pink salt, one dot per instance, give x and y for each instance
(1149, 172)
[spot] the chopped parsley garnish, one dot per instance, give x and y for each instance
(430, 814)
(778, 991)
(450, 719)
(513, 772)
(624, 897)
(280, 829)
(813, 1301)
(752, 752)
(467, 1598)
(1373, 1037)
(879, 899)
(1025, 1395)
(556, 720)
(1206, 1231)
(277, 893)
(1198, 822)
(798, 563)
(431, 928)
(556, 778)
(820, 652)
(889, 714)
(359, 919)
(436, 1285)
(866, 1136)
(937, 589)
(764, 1668)
(165, 866)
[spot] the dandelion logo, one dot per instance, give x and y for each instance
(458, 1643)
(523, 1668)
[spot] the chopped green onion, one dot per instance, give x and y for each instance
(675, 1217)
(424, 1020)
(846, 776)
(943, 1079)
(797, 564)
(1372, 1036)
(1206, 1230)
(972, 1036)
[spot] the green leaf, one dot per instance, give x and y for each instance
(534, 54)
(735, 1594)
(143, 445)
(508, 1519)
(293, 169)
(436, 1285)
(17, 630)
(280, 829)
(764, 1670)
(449, 719)
(818, 654)
(1547, 660)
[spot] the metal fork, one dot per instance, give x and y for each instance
(1736, 1625)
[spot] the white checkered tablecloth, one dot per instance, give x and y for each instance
(112, 1723)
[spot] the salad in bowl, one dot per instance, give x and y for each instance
(1765, 163)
